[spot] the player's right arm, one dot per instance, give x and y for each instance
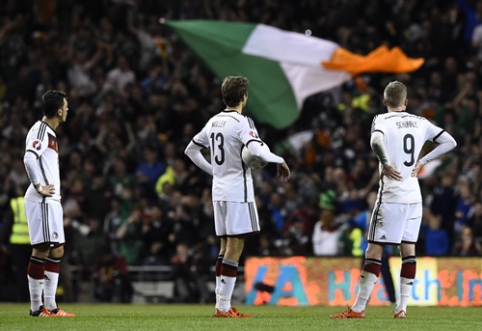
(37, 142)
(193, 150)
(378, 147)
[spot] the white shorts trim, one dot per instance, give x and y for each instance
(235, 218)
(45, 222)
(394, 223)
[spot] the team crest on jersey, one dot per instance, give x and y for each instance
(254, 134)
(53, 142)
(37, 144)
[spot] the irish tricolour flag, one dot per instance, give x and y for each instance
(283, 67)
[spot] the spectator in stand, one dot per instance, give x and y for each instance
(278, 213)
(17, 175)
(328, 230)
(111, 277)
(444, 201)
(189, 276)
(91, 241)
(98, 199)
(111, 222)
(149, 170)
(464, 204)
(473, 17)
(475, 223)
(156, 229)
(266, 247)
(121, 179)
(435, 237)
(148, 43)
(15, 241)
(465, 245)
(297, 240)
(128, 234)
(119, 77)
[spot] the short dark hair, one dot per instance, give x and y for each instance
(233, 90)
(52, 101)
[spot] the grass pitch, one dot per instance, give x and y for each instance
(199, 318)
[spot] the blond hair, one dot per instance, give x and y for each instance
(395, 94)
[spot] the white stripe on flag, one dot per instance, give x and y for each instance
(299, 56)
(289, 47)
(306, 81)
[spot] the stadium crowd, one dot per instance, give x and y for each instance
(137, 95)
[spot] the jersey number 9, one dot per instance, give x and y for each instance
(409, 148)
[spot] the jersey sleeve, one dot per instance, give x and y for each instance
(202, 138)
(37, 141)
(378, 125)
(433, 132)
(248, 132)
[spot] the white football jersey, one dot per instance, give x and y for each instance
(404, 136)
(42, 141)
(225, 134)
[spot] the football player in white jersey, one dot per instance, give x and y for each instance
(43, 208)
(397, 139)
(235, 213)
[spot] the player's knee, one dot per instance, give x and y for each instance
(374, 251)
(236, 244)
(57, 252)
(40, 250)
(407, 249)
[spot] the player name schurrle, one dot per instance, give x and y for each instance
(218, 124)
(407, 124)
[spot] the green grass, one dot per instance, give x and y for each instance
(199, 317)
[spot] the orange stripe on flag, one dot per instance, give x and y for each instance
(381, 59)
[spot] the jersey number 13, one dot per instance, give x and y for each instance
(217, 145)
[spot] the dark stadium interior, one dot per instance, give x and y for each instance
(137, 95)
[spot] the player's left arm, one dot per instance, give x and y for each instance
(261, 150)
(193, 151)
(250, 138)
(445, 144)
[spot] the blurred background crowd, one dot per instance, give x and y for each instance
(137, 96)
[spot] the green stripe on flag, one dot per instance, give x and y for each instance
(219, 44)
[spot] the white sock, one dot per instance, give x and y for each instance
(225, 293)
(50, 288)
(36, 287)
(219, 262)
(366, 285)
(218, 287)
(406, 285)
